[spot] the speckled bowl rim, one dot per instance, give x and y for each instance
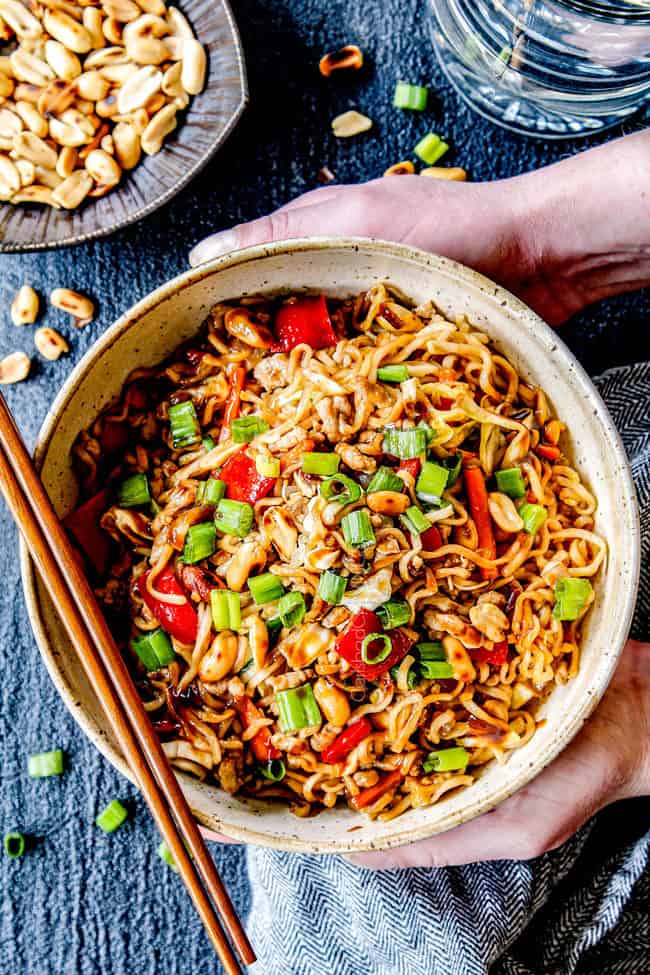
(159, 201)
(592, 693)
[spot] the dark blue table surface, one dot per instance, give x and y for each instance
(82, 902)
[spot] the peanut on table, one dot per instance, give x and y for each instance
(89, 87)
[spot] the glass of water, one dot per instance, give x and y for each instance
(552, 68)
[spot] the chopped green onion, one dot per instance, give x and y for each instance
(165, 854)
(410, 96)
(14, 845)
(112, 816)
(200, 542)
(45, 763)
(274, 626)
(414, 521)
(265, 588)
(394, 613)
(405, 444)
(331, 587)
(226, 609)
(393, 374)
(184, 425)
(292, 609)
(533, 517)
(453, 465)
(431, 482)
(446, 760)
(433, 650)
(234, 517)
(357, 529)
(298, 708)
(154, 649)
(210, 491)
(267, 466)
(275, 770)
(134, 491)
(571, 596)
(208, 443)
(385, 480)
(154, 508)
(511, 482)
(412, 679)
(382, 654)
(246, 428)
(320, 463)
(429, 432)
(431, 148)
(340, 489)
(436, 669)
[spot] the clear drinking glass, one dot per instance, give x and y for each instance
(553, 68)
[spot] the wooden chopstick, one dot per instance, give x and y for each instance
(111, 681)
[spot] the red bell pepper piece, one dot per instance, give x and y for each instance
(497, 656)
(349, 645)
(243, 480)
(263, 750)
(304, 321)
(412, 466)
(83, 525)
(180, 621)
(346, 741)
(548, 451)
(231, 409)
(114, 436)
(431, 539)
(446, 403)
(478, 506)
(367, 796)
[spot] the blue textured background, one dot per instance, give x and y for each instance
(82, 902)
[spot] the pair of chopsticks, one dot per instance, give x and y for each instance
(100, 657)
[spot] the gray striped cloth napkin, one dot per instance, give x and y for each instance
(583, 909)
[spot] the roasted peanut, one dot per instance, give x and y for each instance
(258, 637)
(24, 307)
(27, 171)
(35, 194)
(67, 162)
(103, 168)
(67, 134)
(14, 368)
(56, 98)
(160, 125)
(68, 31)
(92, 86)
(124, 10)
(353, 458)
(388, 502)
(178, 24)
(332, 701)
(50, 343)
(156, 7)
(21, 21)
(194, 66)
(220, 658)
(136, 92)
(454, 173)
(32, 118)
(404, 168)
(27, 67)
(349, 124)
(10, 180)
(349, 57)
(73, 190)
(112, 30)
(6, 86)
(92, 21)
(503, 511)
(459, 659)
(63, 62)
(489, 620)
(31, 147)
(79, 306)
(248, 556)
(127, 145)
(47, 177)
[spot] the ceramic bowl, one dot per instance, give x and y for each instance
(202, 130)
(344, 267)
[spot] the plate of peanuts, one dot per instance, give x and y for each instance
(107, 109)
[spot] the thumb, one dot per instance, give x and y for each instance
(302, 217)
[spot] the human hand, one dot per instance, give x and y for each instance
(560, 238)
(608, 760)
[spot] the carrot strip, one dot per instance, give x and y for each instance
(231, 409)
(548, 451)
(478, 506)
(367, 796)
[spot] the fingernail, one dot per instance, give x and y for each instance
(214, 246)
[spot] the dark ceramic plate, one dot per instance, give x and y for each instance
(204, 127)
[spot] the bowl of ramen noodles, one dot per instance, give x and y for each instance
(363, 529)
